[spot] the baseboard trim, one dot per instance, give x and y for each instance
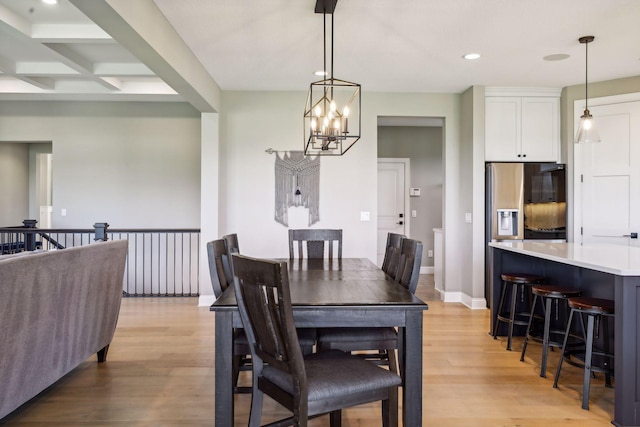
(472, 303)
(426, 270)
(206, 300)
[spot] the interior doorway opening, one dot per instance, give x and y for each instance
(419, 140)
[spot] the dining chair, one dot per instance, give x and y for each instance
(320, 383)
(221, 278)
(232, 243)
(221, 271)
(315, 239)
(392, 253)
(384, 341)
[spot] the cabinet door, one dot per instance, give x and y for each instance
(502, 129)
(540, 129)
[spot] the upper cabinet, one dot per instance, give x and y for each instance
(522, 128)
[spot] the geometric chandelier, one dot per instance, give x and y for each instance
(332, 112)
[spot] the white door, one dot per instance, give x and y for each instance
(392, 197)
(610, 170)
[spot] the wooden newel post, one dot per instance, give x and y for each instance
(101, 231)
(29, 237)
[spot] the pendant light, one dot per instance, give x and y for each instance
(332, 112)
(587, 131)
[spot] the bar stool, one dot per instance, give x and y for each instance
(516, 283)
(596, 310)
(548, 294)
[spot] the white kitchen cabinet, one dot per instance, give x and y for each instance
(522, 128)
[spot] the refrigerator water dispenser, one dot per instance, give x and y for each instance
(508, 222)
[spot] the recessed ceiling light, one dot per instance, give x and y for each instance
(471, 56)
(320, 73)
(50, 1)
(556, 57)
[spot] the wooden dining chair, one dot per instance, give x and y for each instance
(383, 341)
(221, 278)
(392, 253)
(315, 239)
(232, 243)
(307, 386)
(221, 271)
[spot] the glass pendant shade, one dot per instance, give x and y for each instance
(587, 129)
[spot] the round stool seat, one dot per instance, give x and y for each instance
(554, 291)
(521, 278)
(597, 312)
(592, 305)
(550, 335)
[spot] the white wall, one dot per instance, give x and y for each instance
(129, 164)
(251, 122)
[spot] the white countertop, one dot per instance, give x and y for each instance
(615, 259)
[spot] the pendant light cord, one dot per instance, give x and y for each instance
(586, 76)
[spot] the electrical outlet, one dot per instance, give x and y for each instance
(414, 213)
(430, 253)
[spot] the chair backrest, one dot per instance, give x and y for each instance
(408, 271)
(315, 239)
(232, 243)
(392, 253)
(264, 302)
(219, 267)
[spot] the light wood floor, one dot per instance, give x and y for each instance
(159, 372)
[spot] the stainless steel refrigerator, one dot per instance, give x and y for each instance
(524, 201)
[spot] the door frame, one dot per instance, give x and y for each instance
(407, 177)
(578, 107)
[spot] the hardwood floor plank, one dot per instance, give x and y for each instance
(159, 372)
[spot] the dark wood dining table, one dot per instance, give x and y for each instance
(340, 293)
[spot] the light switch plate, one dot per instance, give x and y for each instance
(467, 217)
(365, 216)
(414, 213)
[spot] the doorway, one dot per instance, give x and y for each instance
(420, 140)
(26, 182)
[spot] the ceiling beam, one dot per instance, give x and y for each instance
(144, 31)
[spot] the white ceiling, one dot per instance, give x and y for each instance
(56, 52)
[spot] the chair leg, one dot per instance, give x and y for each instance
(500, 305)
(390, 410)
(564, 347)
(512, 315)
(256, 407)
(545, 337)
(236, 363)
(587, 363)
(526, 335)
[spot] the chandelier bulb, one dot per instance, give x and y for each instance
(332, 105)
(318, 111)
(345, 112)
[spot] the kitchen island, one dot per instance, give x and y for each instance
(601, 271)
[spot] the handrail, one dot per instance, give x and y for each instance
(160, 262)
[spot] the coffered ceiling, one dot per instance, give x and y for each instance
(67, 51)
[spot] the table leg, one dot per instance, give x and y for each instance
(412, 385)
(223, 370)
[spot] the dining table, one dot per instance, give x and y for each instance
(347, 292)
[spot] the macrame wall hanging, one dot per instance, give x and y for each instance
(297, 184)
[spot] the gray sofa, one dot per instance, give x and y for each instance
(57, 308)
